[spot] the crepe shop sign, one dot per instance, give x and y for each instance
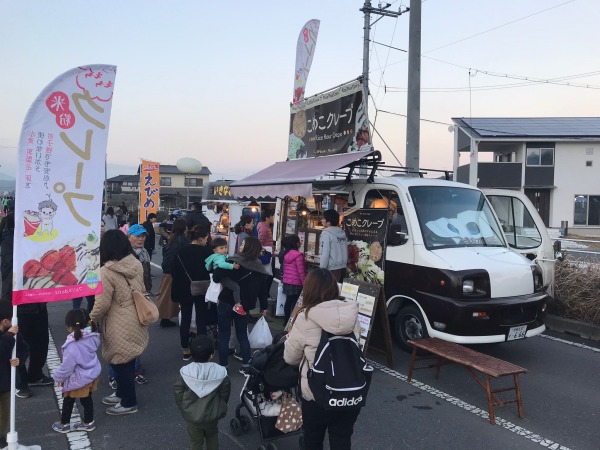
(364, 223)
(58, 103)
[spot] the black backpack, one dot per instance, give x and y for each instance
(340, 376)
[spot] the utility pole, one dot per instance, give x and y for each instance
(413, 106)
(382, 11)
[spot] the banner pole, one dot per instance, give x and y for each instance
(12, 437)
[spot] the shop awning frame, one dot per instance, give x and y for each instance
(295, 178)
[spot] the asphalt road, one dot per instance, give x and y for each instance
(560, 394)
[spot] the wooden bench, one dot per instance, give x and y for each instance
(449, 352)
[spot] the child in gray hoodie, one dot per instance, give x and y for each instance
(201, 392)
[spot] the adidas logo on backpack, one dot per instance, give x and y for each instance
(340, 376)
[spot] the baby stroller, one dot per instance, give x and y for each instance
(267, 379)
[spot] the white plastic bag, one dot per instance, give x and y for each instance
(281, 297)
(260, 336)
(213, 291)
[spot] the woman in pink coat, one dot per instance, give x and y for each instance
(294, 272)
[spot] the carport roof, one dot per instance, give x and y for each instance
(530, 128)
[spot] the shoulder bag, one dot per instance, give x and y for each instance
(196, 287)
(147, 311)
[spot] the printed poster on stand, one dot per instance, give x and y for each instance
(60, 177)
(367, 231)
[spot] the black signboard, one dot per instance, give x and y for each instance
(367, 230)
(329, 123)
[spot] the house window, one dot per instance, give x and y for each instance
(193, 182)
(165, 181)
(587, 210)
(540, 156)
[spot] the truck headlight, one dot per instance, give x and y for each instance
(468, 286)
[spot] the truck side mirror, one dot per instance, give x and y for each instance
(395, 235)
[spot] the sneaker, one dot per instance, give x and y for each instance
(237, 356)
(140, 379)
(24, 393)
(112, 383)
(187, 355)
(119, 410)
(44, 381)
(166, 323)
(239, 309)
(80, 426)
(111, 399)
(60, 428)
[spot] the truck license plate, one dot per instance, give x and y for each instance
(517, 333)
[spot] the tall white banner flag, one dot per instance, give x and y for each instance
(305, 50)
(60, 176)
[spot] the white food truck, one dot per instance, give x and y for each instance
(452, 269)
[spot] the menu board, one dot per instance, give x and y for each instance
(372, 316)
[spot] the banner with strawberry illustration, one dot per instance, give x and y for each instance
(60, 176)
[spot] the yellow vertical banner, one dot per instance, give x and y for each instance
(149, 189)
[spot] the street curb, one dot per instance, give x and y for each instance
(581, 329)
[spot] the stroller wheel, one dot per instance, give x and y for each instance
(236, 426)
(245, 422)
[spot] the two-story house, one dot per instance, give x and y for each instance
(555, 161)
(176, 187)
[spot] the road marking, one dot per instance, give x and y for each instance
(574, 344)
(78, 440)
(544, 442)
(155, 265)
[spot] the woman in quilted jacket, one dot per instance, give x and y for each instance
(294, 272)
(123, 337)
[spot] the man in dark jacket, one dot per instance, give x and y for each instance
(196, 217)
(150, 241)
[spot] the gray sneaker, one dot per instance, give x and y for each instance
(111, 399)
(119, 410)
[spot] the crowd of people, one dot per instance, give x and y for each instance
(110, 321)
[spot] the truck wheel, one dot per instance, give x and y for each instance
(409, 325)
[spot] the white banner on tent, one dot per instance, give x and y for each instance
(61, 157)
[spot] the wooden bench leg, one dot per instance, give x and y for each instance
(519, 402)
(488, 389)
(411, 365)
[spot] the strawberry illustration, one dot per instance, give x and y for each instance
(33, 268)
(64, 277)
(50, 259)
(68, 257)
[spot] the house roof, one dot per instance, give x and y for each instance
(530, 128)
(121, 178)
(166, 169)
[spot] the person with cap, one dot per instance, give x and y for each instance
(196, 217)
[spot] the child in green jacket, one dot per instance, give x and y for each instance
(201, 392)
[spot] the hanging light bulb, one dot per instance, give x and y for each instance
(254, 205)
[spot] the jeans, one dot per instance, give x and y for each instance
(125, 376)
(186, 319)
(225, 316)
(34, 328)
(290, 304)
(339, 424)
(137, 368)
(90, 299)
